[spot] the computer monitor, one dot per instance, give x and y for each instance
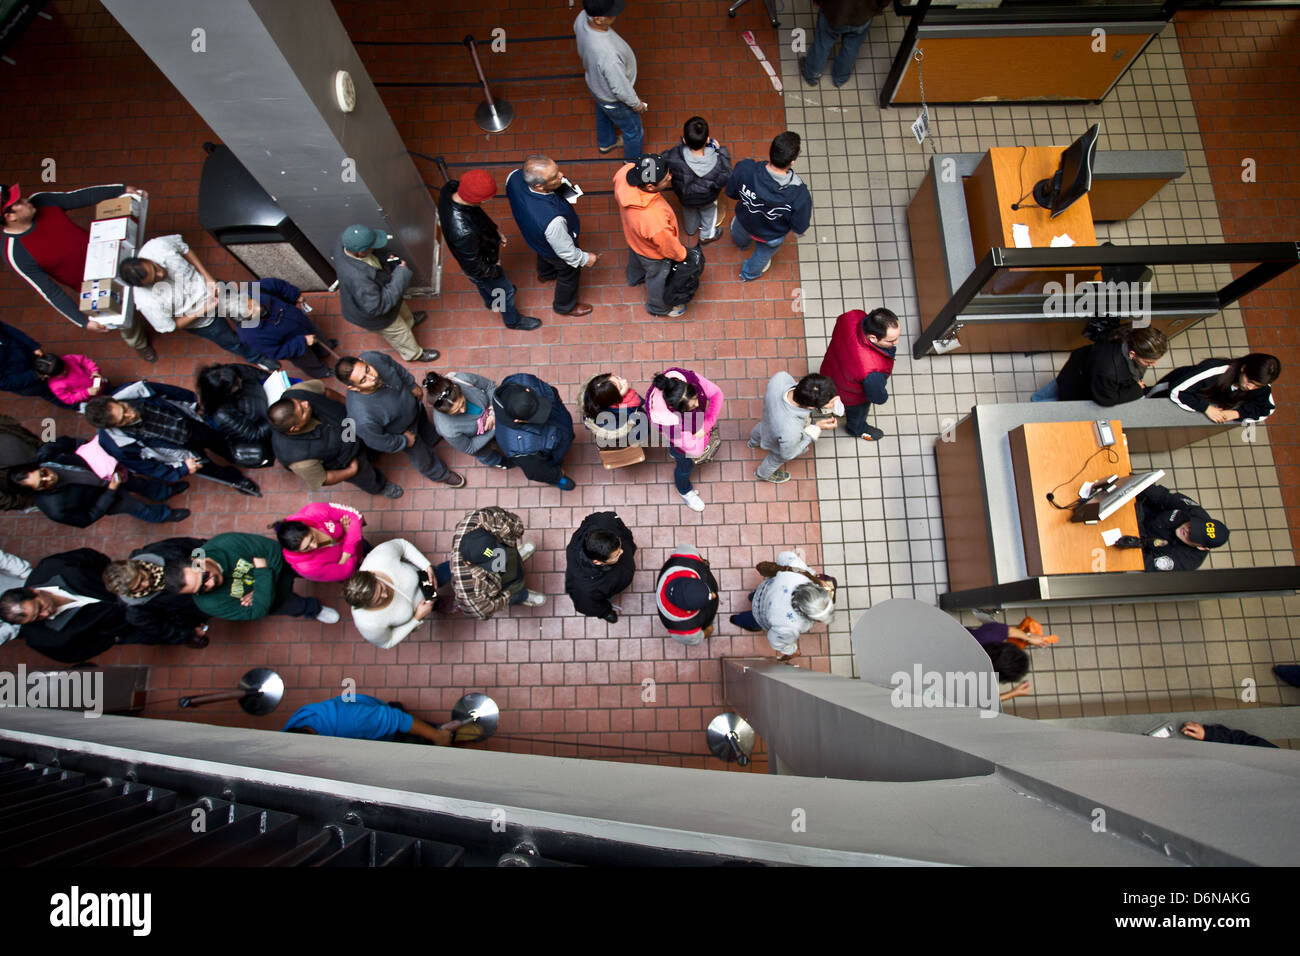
(1073, 177)
(1101, 506)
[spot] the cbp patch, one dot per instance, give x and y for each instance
(1210, 530)
(1164, 563)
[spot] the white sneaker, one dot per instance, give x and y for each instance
(526, 550)
(534, 599)
(328, 615)
(692, 499)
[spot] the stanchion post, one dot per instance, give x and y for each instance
(492, 115)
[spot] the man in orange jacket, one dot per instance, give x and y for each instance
(650, 227)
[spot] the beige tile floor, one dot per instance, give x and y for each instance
(881, 526)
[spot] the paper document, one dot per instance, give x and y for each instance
(276, 384)
(1062, 240)
(1111, 535)
(1020, 235)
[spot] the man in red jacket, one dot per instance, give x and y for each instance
(48, 250)
(859, 360)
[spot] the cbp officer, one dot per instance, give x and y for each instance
(1176, 531)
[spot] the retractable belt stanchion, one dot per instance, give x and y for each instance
(492, 115)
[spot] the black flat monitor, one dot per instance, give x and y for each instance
(1073, 177)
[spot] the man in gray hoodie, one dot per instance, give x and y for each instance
(610, 67)
(794, 415)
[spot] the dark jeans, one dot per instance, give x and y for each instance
(295, 605)
(421, 453)
(682, 472)
(221, 333)
(855, 419)
(746, 619)
(368, 478)
(315, 362)
(499, 296)
(654, 273)
(824, 38)
(152, 488)
(537, 468)
(566, 279)
(615, 118)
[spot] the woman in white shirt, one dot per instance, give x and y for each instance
(387, 600)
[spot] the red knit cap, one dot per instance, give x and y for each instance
(477, 185)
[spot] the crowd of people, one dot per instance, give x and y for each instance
(151, 438)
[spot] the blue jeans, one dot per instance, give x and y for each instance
(1051, 392)
(764, 250)
(503, 301)
(613, 118)
(824, 38)
(682, 471)
(220, 333)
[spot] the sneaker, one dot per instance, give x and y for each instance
(419, 318)
(526, 550)
(871, 433)
(692, 499)
(327, 615)
(609, 149)
(267, 365)
(177, 514)
(534, 599)
(526, 323)
(717, 230)
(804, 76)
(147, 353)
(428, 355)
(676, 311)
(246, 486)
(454, 480)
(611, 617)
(566, 484)
(501, 467)
(391, 490)
(777, 477)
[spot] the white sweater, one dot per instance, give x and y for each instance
(398, 560)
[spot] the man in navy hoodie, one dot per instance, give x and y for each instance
(771, 202)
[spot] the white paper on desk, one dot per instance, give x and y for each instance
(1062, 240)
(1020, 236)
(1111, 535)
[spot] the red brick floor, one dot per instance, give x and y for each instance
(1243, 68)
(567, 685)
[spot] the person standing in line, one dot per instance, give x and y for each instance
(613, 412)
(686, 596)
(64, 612)
(390, 592)
(174, 290)
(475, 242)
(551, 227)
(795, 414)
(19, 354)
(685, 406)
(72, 378)
(859, 361)
(771, 202)
(13, 574)
(158, 617)
(649, 228)
(609, 66)
(322, 541)
(276, 326)
(846, 21)
(48, 251)
(463, 414)
(1108, 372)
(533, 429)
(701, 169)
(787, 602)
(371, 291)
(487, 563)
(600, 564)
(1238, 390)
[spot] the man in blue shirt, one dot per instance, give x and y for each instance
(362, 718)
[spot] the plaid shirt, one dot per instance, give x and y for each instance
(478, 591)
(160, 422)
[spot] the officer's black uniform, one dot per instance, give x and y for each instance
(1160, 513)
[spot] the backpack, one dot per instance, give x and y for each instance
(684, 278)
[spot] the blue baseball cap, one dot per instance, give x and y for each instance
(357, 239)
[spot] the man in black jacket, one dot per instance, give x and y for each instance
(1175, 532)
(1109, 373)
(475, 241)
(156, 616)
(64, 609)
(66, 491)
(1222, 734)
(601, 563)
(371, 286)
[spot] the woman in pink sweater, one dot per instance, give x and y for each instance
(685, 407)
(322, 542)
(72, 378)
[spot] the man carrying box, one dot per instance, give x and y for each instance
(48, 250)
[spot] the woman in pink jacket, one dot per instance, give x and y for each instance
(322, 542)
(685, 406)
(72, 378)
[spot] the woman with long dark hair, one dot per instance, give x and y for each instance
(612, 411)
(1225, 390)
(322, 542)
(685, 406)
(233, 402)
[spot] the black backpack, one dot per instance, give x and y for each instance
(684, 278)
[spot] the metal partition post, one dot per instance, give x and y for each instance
(492, 115)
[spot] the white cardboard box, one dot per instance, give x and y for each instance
(106, 229)
(104, 256)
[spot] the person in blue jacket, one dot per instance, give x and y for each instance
(276, 326)
(772, 202)
(362, 718)
(18, 352)
(1221, 734)
(156, 431)
(533, 428)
